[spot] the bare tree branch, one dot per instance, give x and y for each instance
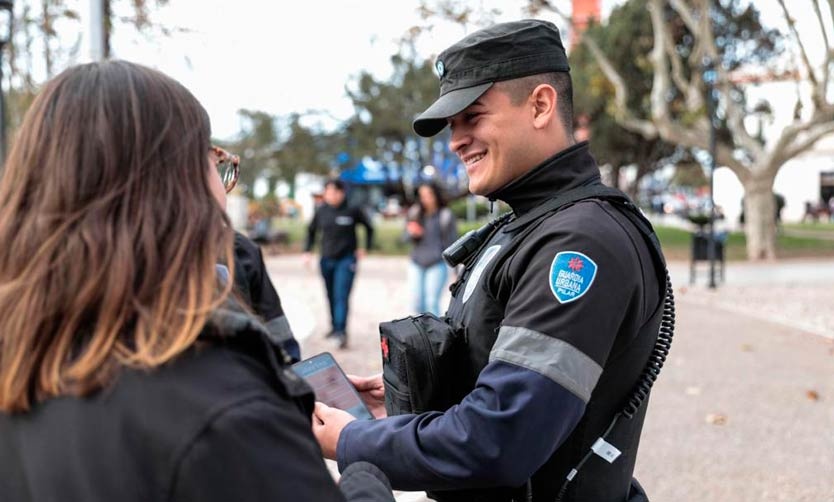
(781, 150)
(807, 142)
(677, 71)
(724, 156)
(622, 113)
(661, 84)
(693, 91)
(704, 38)
(818, 13)
(671, 130)
(828, 52)
(645, 128)
(802, 51)
(831, 10)
(734, 111)
(686, 16)
(621, 110)
(735, 122)
(735, 118)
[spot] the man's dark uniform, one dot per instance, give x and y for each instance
(560, 311)
(535, 354)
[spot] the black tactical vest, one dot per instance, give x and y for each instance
(475, 307)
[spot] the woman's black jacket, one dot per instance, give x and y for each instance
(225, 421)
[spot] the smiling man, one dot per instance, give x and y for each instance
(561, 305)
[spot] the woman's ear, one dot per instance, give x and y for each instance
(544, 99)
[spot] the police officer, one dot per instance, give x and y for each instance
(561, 311)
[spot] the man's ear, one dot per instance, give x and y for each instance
(544, 99)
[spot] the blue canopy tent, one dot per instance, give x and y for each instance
(368, 172)
(370, 182)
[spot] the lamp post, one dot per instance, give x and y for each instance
(709, 80)
(6, 17)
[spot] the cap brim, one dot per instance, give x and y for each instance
(433, 120)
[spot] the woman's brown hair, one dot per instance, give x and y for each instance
(109, 232)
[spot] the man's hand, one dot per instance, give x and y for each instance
(360, 254)
(327, 426)
(372, 391)
(306, 259)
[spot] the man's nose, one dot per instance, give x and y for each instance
(459, 139)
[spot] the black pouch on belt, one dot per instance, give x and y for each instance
(421, 362)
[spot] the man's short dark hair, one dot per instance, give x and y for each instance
(337, 184)
(519, 89)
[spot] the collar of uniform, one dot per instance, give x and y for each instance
(572, 167)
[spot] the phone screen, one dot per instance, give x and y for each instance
(331, 385)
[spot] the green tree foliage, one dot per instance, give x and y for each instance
(689, 174)
(278, 148)
(257, 147)
(304, 150)
(384, 109)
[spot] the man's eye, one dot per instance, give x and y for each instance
(471, 115)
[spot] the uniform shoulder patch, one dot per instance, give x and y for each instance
(571, 275)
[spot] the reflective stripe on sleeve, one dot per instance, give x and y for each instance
(279, 330)
(556, 359)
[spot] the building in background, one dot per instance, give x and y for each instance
(583, 12)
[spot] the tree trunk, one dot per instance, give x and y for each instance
(634, 187)
(760, 217)
(293, 185)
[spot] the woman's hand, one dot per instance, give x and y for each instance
(414, 229)
(327, 427)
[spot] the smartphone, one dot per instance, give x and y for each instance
(331, 385)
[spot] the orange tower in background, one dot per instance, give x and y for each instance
(584, 11)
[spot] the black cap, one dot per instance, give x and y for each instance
(501, 52)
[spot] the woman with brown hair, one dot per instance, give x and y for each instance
(431, 227)
(127, 371)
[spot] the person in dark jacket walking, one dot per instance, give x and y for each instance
(127, 370)
(558, 309)
(336, 221)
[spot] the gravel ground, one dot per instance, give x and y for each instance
(744, 408)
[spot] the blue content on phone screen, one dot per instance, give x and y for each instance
(330, 385)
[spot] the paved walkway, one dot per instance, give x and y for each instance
(744, 410)
(795, 293)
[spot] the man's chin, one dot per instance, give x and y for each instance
(474, 189)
